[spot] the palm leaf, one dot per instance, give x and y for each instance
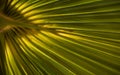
(60, 37)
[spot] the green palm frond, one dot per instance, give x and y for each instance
(60, 37)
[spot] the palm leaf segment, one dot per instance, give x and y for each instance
(60, 37)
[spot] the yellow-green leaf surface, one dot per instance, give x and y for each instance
(60, 37)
